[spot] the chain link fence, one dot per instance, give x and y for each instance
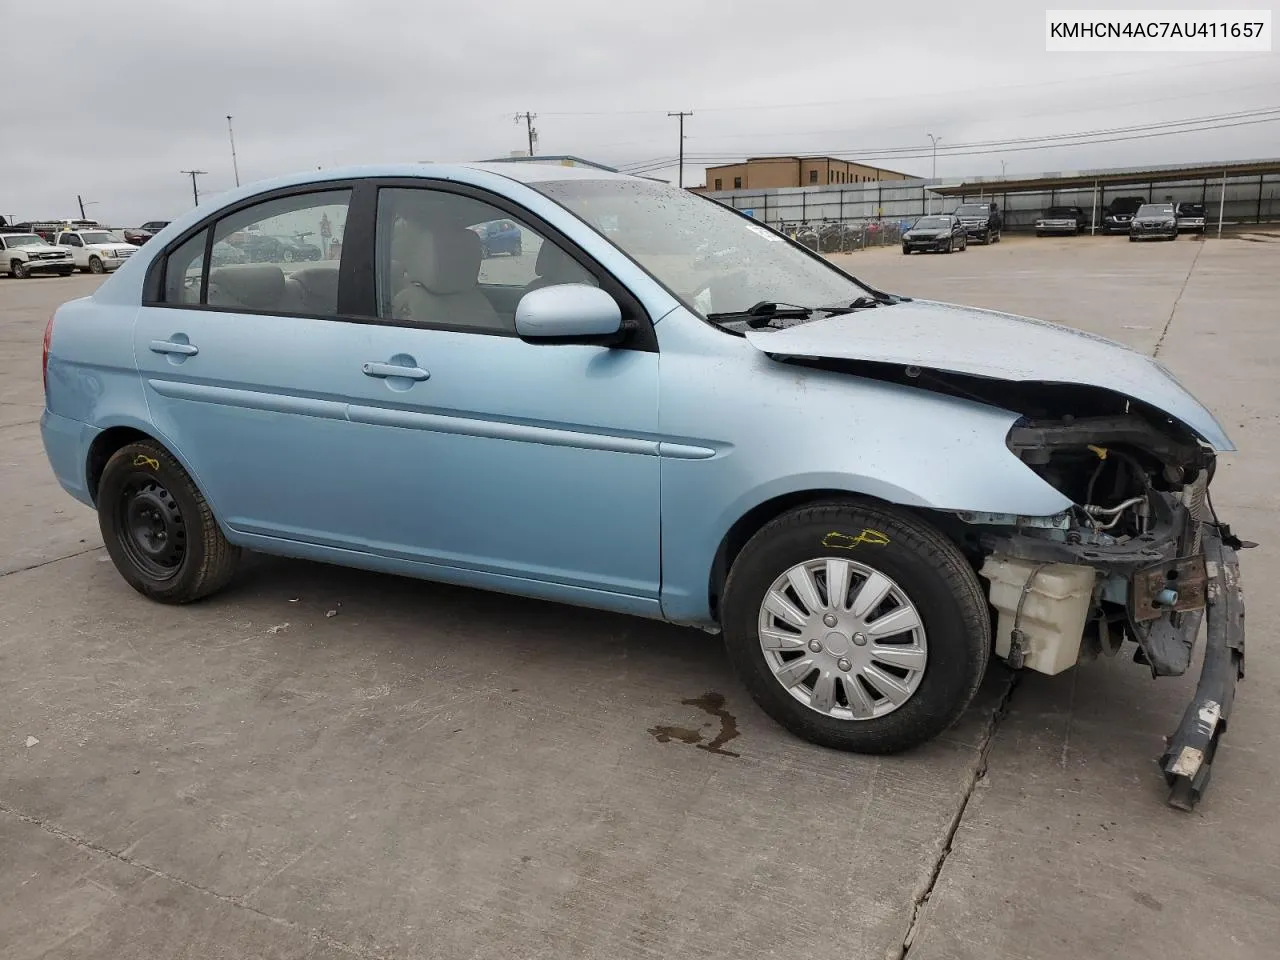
(845, 236)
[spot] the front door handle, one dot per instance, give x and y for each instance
(390, 370)
(173, 346)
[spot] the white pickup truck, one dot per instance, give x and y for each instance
(95, 251)
(22, 254)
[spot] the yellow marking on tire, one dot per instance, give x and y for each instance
(845, 541)
(142, 460)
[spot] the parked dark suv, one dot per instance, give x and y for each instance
(982, 221)
(1119, 214)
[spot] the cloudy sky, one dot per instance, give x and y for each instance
(112, 105)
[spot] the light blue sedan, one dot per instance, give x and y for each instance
(660, 407)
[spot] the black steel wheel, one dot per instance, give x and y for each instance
(150, 525)
(158, 528)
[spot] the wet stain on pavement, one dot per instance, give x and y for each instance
(665, 734)
(712, 703)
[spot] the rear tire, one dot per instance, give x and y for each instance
(158, 528)
(949, 644)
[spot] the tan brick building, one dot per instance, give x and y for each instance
(762, 173)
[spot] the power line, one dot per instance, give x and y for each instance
(973, 148)
(1109, 105)
(970, 91)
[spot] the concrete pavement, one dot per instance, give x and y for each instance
(436, 772)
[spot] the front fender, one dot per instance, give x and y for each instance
(782, 430)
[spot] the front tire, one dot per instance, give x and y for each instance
(856, 626)
(95, 265)
(67, 272)
(158, 528)
(19, 270)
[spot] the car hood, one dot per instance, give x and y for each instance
(1000, 346)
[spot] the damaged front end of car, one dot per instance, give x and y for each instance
(1140, 555)
(1132, 548)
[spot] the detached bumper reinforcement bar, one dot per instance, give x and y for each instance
(1188, 759)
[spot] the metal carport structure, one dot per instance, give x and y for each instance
(1243, 191)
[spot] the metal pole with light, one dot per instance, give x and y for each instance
(234, 165)
(934, 177)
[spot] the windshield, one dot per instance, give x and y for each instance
(1155, 210)
(23, 240)
(932, 223)
(972, 210)
(1060, 213)
(1125, 205)
(97, 236)
(713, 259)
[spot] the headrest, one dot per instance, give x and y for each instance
(256, 285)
(554, 264)
(445, 260)
(319, 282)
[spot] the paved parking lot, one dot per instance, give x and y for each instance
(437, 772)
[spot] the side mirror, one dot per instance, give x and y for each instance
(569, 313)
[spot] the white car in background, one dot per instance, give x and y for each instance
(96, 251)
(22, 254)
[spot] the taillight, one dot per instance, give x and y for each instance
(44, 360)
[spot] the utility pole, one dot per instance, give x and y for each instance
(1002, 169)
(195, 191)
(934, 175)
(681, 114)
(234, 166)
(528, 119)
(84, 203)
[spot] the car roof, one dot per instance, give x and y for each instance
(520, 172)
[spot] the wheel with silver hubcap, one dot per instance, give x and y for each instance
(842, 638)
(856, 625)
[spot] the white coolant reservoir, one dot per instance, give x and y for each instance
(1053, 613)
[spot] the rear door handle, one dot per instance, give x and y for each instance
(388, 370)
(172, 346)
